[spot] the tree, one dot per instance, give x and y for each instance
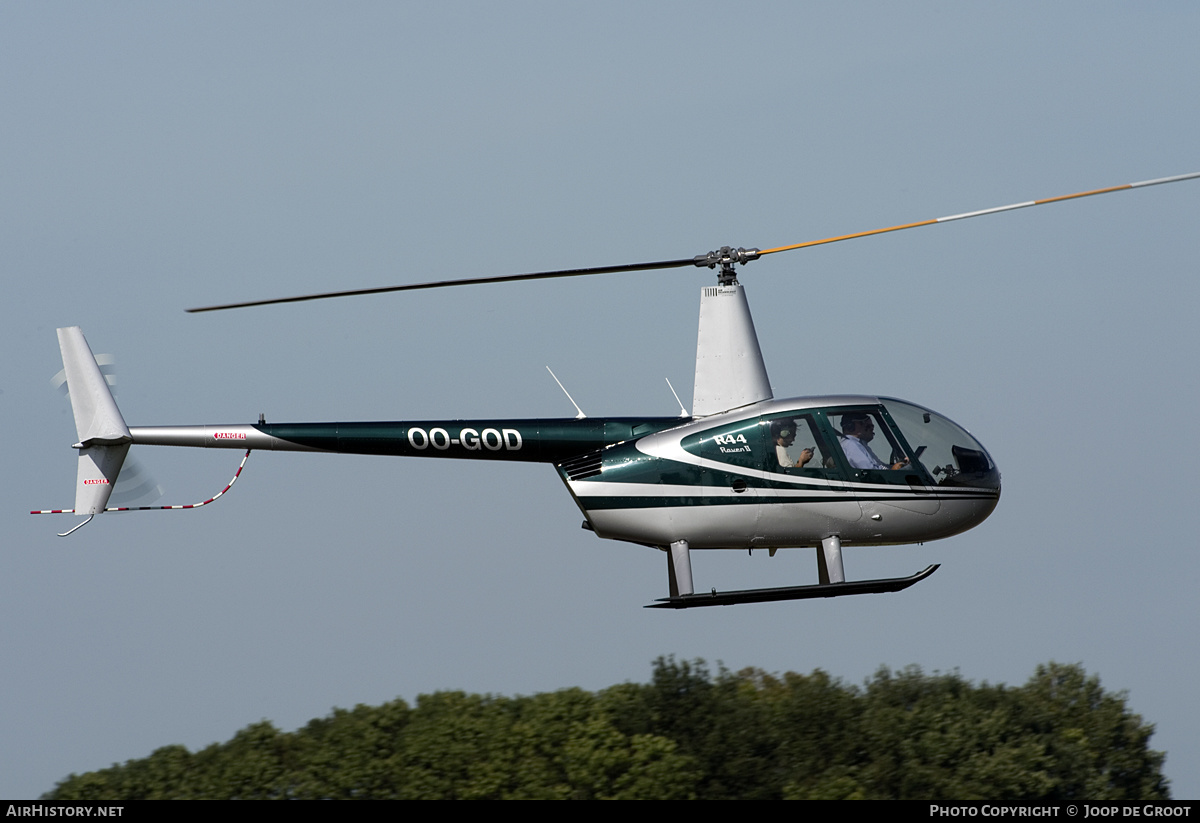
(687, 733)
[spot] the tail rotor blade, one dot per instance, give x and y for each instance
(135, 486)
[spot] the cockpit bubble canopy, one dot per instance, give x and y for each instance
(945, 449)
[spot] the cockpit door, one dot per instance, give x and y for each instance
(883, 472)
(805, 494)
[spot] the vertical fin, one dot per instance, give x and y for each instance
(729, 365)
(98, 470)
(103, 436)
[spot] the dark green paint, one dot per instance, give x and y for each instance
(547, 440)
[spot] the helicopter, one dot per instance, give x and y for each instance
(742, 470)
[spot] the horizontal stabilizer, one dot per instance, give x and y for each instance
(715, 598)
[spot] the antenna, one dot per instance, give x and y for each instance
(579, 416)
(683, 412)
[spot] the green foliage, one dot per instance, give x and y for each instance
(687, 734)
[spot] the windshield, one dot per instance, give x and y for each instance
(950, 455)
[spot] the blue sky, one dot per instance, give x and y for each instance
(157, 157)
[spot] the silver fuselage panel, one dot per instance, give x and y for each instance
(721, 482)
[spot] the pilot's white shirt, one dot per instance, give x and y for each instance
(860, 455)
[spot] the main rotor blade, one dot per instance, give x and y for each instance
(982, 212)
(470, 281)
(725, 257)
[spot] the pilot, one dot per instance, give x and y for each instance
(858, 429)
(783, 432)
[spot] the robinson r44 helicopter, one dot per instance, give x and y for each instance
(742, 471)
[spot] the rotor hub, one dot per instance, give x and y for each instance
(726, 257)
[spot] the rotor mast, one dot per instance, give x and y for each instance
(730, 372)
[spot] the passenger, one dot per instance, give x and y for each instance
(783, 432)
(858, 429)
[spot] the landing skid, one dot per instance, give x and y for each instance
(716, 598)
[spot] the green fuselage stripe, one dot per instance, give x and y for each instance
(549, 440)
